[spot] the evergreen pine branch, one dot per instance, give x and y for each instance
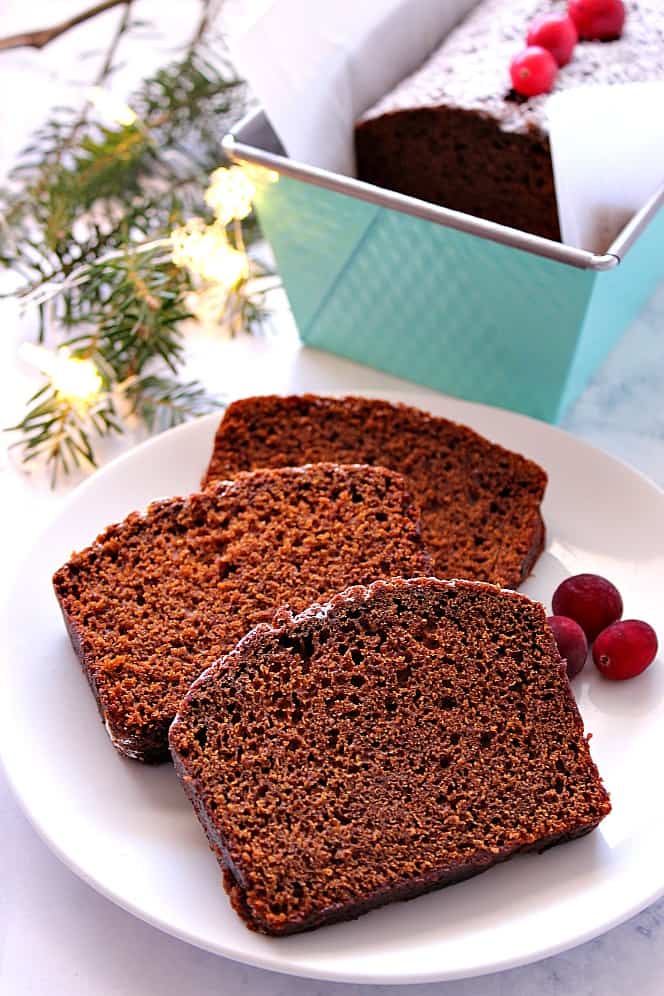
(189, 105)
(58, 432)
(184, 110)
(85, 219)
(125, 317)
(162, 402)
(128, 311)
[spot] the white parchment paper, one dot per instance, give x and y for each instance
(316, 66)
(607, 145)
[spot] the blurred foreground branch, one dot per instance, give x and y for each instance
(42, 36)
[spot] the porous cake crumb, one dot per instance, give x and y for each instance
(156, 599)
(480, 503)
(403, 737)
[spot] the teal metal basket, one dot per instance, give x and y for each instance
(452, 302)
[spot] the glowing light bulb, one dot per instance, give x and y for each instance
(230, 194)
(74, 378)
(112, 107)
(208, 306)
(206, 252)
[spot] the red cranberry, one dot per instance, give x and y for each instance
(625, 649)
(533, 71)
(598, 20)
(557, 33)
(590, 600)
(571, 642)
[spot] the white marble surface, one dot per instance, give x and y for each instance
(57, 935)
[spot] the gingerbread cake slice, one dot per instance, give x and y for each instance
(156, 599)
(402, 737)
(480, 503)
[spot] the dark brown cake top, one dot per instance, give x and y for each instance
(156, 599)
(480, 503)
(402, 733)
(470, 70)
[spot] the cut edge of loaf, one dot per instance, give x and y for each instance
(150, 744)
(409, 888)
(325, 403)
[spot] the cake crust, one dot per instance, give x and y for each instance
(402, 737)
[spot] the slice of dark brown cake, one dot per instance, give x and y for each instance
(156, 599)
(400, 738)
(480, 503)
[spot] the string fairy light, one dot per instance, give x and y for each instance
(206, 252)
(116, 310)
(111, 107)
(230, 194)
(75, 379)
(208, 306)
(217, 266)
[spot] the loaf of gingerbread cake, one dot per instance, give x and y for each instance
(455, 134)
(480, 503)
(402, 737)
(156, 599)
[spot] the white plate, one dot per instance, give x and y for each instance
(128, 830)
